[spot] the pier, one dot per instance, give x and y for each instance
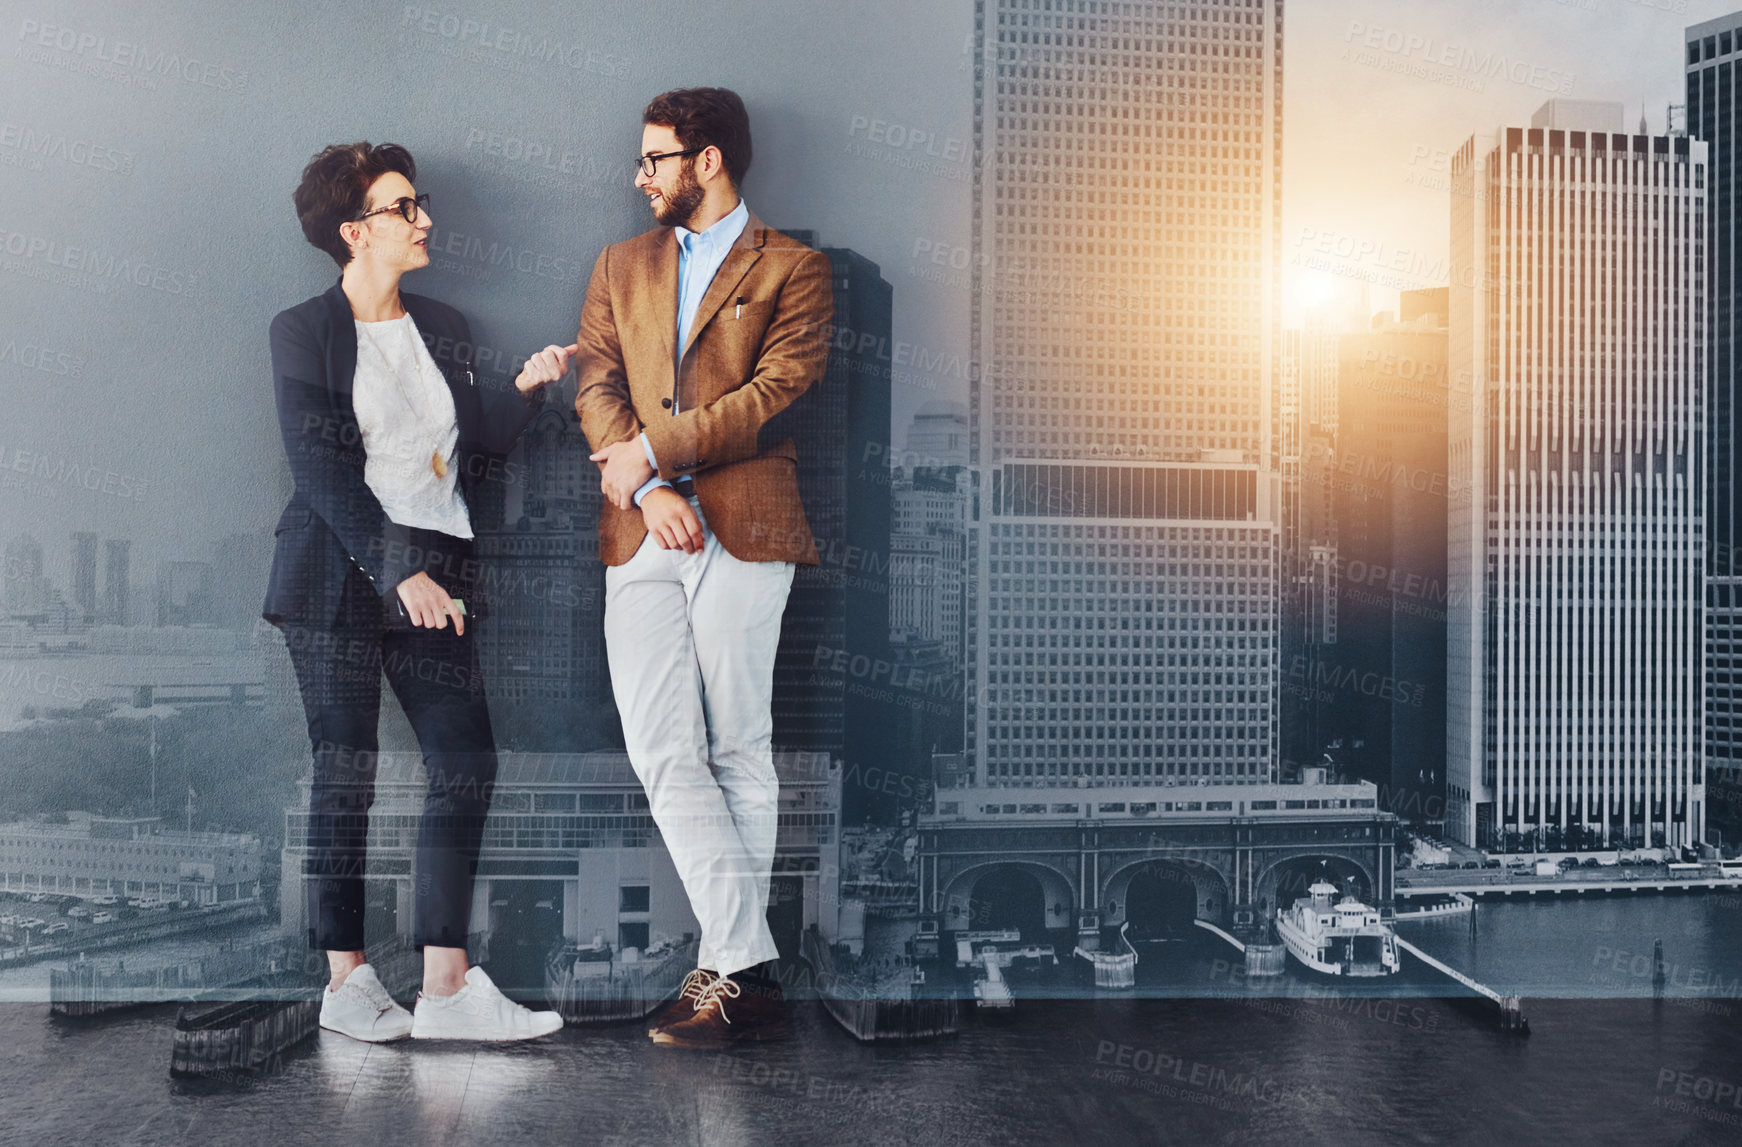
(873, 1010)
(241, 1037)
(1510, 1007)
(1113, 969)
(127, 934)
(595, 991)
(1494, 885)
(1261, 959)
(87, 988)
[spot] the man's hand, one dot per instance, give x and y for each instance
(547, 365)
(671, 520)
(428, 604)
(622, 469)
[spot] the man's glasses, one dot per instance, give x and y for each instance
(650, 162)
(407, 208)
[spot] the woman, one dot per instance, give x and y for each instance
(374, 571)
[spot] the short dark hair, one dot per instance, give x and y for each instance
(703, 116)
(335, 188)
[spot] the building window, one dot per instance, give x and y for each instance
(632, 898)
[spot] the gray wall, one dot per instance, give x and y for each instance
(148, 152)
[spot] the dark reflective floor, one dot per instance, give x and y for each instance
(1343, 1071)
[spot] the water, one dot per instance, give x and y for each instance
(1260, 1067)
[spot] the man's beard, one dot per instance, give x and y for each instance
(681, 205)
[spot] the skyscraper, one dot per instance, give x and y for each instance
(841, 429)
(117, 604)
(928, 540)
(1123, 565)
(543, 651)
(1578, 477)
(1714, 49)
(1387, 674)
(186, 594)
(27, 590)
(85, 576)
(1306, 466)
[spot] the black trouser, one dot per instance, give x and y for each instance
(434, 673)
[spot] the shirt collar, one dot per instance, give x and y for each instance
(726, 228)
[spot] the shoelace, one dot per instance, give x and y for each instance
(713, 995)
(694, 985)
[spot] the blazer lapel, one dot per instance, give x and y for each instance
(746, 249)
(658, 287)
(341, 346)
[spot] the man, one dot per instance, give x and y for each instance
(693, 336)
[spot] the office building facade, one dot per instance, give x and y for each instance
(1576, 538)
(1122, 605)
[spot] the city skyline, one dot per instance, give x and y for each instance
(1365, 168)
(1273, 479)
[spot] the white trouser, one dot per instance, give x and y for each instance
(690, 639)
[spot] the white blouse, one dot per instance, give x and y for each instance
(406, 414)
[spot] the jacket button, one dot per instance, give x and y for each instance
(665, 402)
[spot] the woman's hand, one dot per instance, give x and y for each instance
(428, 604)
(547, 365)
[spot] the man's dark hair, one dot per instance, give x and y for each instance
(703, 116)
(335, 188)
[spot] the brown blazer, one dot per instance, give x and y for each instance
(743, 365)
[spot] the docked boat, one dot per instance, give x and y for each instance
(1337, 938)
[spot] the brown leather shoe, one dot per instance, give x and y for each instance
(684, 1005)
(727, 1011)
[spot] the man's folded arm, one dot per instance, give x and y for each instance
(795, 352)
(602, 401)
(654, 482)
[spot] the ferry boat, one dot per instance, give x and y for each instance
(1342, 938)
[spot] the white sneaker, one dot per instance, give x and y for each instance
(362, 1009)
(478, 1011)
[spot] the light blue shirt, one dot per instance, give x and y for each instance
(699, 256)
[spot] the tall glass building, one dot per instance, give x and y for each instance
(1576, 528)
(1123, 529)
(1713, 51)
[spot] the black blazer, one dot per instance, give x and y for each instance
(334, 521)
